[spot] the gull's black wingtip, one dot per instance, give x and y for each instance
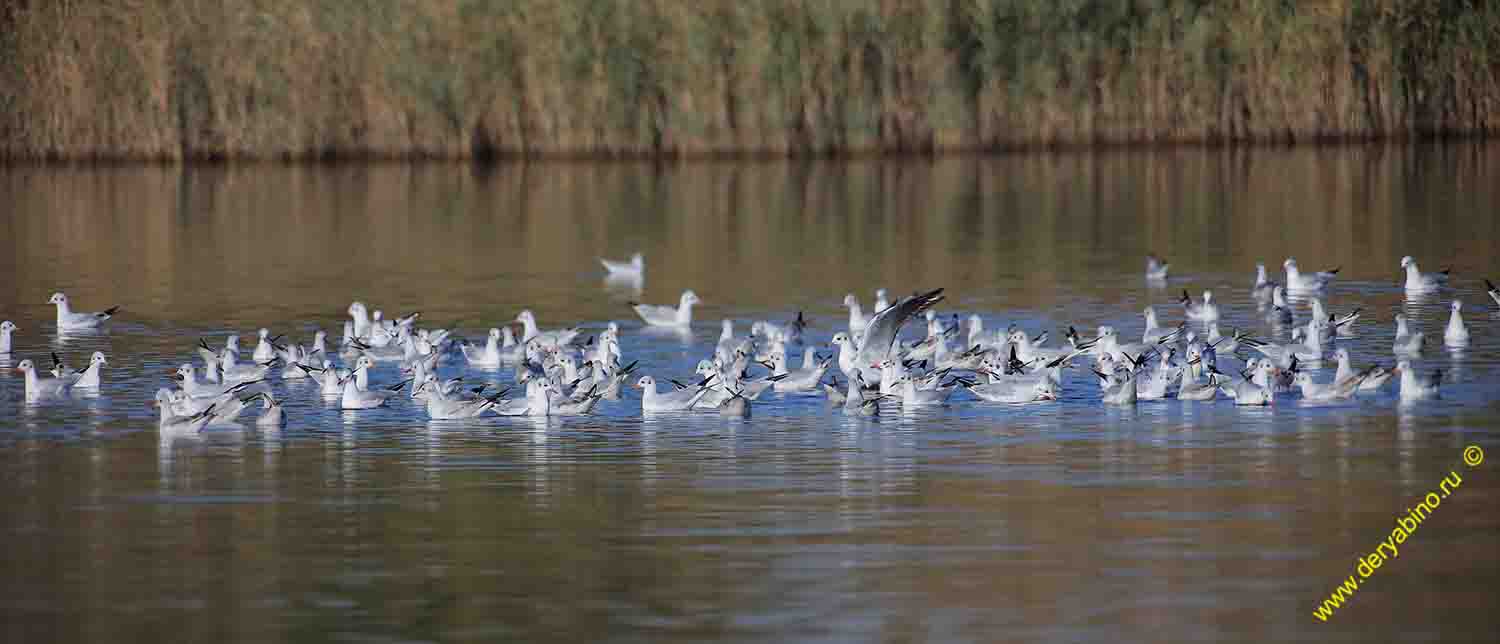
(111, 310)
(1488, 284)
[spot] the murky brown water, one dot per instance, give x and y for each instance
(1171, 521)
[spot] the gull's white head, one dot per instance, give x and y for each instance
(58, 298)
(1208, 296)
(1341, 354)
(689, 298)
(840, 339)
(495, 334)
(526, 317)
(1407, 261)
(1457, 305)
(26, 366)
(8, 327)
(364, 362)
(358, 309)
(646, 382)
(264, 333)
(850, 300)
(98, 358)
(727, 327)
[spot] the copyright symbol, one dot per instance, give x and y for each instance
(1473, 456)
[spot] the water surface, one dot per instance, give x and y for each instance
(1066, 522)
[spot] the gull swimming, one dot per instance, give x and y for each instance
(533, 332)
(68, 320)
(265, 348)
(666, 316)
(41, 386)
(1297, 281)
(857, 319)
(1156, 268)
(1336, 390)
(271, 415)
(855, 402)
(1205, 311)
(1419, 282)
(1264, 286)
(355, 398)
(1281, 311)
(172, 421)
(1456, 335)
(1372, 379)
(635, 268)
(679, 400)
(88, 377)
(1414, 386)
(7, 328)
(489, 356)
(1407, 342)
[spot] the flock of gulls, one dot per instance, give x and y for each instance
(561, 372)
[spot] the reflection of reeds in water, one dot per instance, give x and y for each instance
(471, 249)
(467, 78)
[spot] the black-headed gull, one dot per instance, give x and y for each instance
(1281, 310)
(271, 414)
(1264, 286)
(679, 317)
(1456, 335)
(489, 356)
(7, 328)
(1407, 342)
(1247, 391)
(880, 333)
(857, 318)
(635, 268)
(444, 406)
(174, 422)
(1205, 311)
(910, 396)
(1156, 268)
(1419, 282)
(1299, 282)
(1325, 391)
(679, 400)
(736, 406)
(38, 386)
(265, 347)
(1373, 377)
(530, 331)
(1414, 386)
(804, 379)
(1016, 389)
(88, 377)
(355, 398)
(855, 401)
(68, 320)
(1119, 387)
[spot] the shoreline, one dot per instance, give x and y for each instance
(761, 154)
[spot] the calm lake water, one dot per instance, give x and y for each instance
(1067, 521)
